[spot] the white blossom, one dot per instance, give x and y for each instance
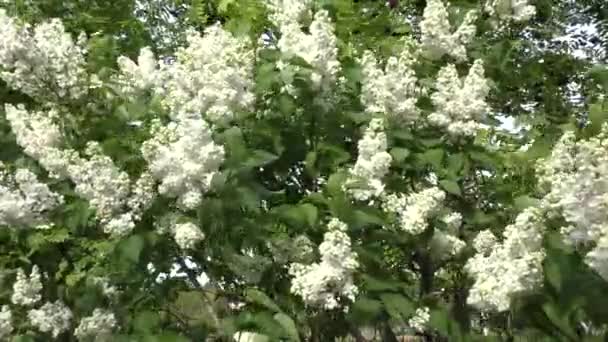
(143, 192)
(453, 221)
(323, 284)
(6, 323)
(373, 163)
(576, 185)
(484, 241)
(26, 289)
(420, 320)
(40, 138)
(42, 61)
(184, 158)
(318, 48)
(414, 210)
(438, 38)
(117, 202)
(98, 325)
(460, 105)
(108, 290)
(187, 235)
(138, 77)
(99, 181)
(393, 90)
(447, 244)
(247, 336)
(284, 12)
(513, 266)
(53, 318)
(507, 10)
(25, 201)
(212, 76)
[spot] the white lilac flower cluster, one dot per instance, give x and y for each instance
(98, 325)
(26, 289)
(6, 323)
(52, 317)
(446, 241)
(392, 91)
(187, 235)
(460, 105)
(140, 76)
(438, 38)
(373, 163)
(510, 10)
(284, 12)
(420, 320)
(509, 268)
(323, 284)
(43, 61)
(118, 202)
(184, 158)
(25, 201)
(39, 136)
(318, 47)
(103, 283)
(212, 76)
(484, 241)
(414, 211)
(576, 181)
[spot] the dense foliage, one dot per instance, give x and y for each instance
(303, 170)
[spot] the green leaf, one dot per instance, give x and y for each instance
(397, 305)
(597, 116)
(455, 163)
(366, 309)
(286, 104)
(223, 5)
(399, 154)
(522, 202)
(366, 217)
(131, 248)
(166, 337)
(402, 135)
(146, 321)
(433, 157)
(289, 325)
(23, 338)
(260, 158)
(302, 214)
(309, 162)
(258, 297)
(559, 321)
(335, 182)
(378, 285)
(235, 144)
(440, 321)
(451, 187)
